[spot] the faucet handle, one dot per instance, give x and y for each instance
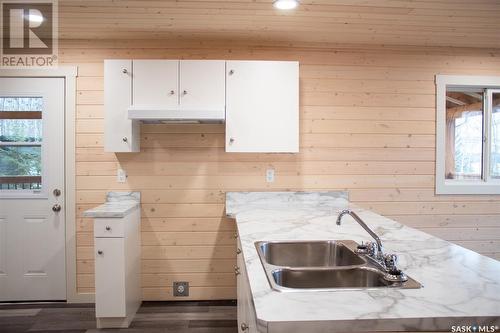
(391, 261)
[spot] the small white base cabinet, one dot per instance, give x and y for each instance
(247, 322)
(117, 247)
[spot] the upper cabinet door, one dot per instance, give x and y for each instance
(262, 106)
(156, 83)
(202, 85)
(120, 134)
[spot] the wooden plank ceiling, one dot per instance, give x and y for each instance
(457, 23)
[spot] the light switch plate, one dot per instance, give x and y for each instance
(270, 175)
(121, 176)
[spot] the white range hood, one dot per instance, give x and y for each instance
(162, 115)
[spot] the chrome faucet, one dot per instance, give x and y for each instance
(379, 254)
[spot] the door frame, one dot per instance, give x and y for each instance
(69, 74)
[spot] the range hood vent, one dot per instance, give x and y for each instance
(160, 115)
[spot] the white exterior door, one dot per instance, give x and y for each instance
(32, 225)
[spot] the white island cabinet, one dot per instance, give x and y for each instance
(117, 253)
(247, 322)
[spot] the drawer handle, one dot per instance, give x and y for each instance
(108, 228)
(244, 327)
(237, 270)
(100, 252)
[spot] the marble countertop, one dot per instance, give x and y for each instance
(118, 204)
(461, 287)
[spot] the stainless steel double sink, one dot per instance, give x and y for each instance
(322, 266)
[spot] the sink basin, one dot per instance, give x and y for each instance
(324, 265)
(329, 278)
(309, 253)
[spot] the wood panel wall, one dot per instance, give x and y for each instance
(367, 125)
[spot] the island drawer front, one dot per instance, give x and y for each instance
(109, 227)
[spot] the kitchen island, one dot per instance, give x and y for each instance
(460, 287)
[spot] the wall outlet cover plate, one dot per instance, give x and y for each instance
(181, 288)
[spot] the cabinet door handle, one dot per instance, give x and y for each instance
(172, 92)
(244, 326)
(238, 251)
(124, 71)
(237, 270)
(231, 72)
(185, 92)
(108, 228)
(100, 252)
(124, 139)
(235, 235)
(231, 141)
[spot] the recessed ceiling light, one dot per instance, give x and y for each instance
(285, 4)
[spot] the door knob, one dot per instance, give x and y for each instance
(56, 208)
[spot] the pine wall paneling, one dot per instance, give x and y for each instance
(367, 126)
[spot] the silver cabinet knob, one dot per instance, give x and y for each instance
(100, 252)
(244, 327)
(172, 92)
(231, 72)
(125, 139)
(108, 228)
(124, 71)
(184, 92)
(231, 140)
(56, 208)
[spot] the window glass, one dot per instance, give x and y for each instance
(495, 137)
(20, 143)
(464, 131)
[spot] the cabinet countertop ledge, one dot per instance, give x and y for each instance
(461, 287)
(118, 204)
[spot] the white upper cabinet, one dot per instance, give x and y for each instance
(121, 135)
(156, 84)
(258, 100)
(262, 106)
(203, 85)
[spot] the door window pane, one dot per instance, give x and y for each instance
(464, 133)
(20, 130)
(495, 137)
(20, 143)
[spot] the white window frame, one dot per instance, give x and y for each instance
(446, 186)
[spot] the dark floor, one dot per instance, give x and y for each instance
(152, 317)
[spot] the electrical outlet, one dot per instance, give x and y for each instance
(270, 175)
(121, 176)
(181, 288)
